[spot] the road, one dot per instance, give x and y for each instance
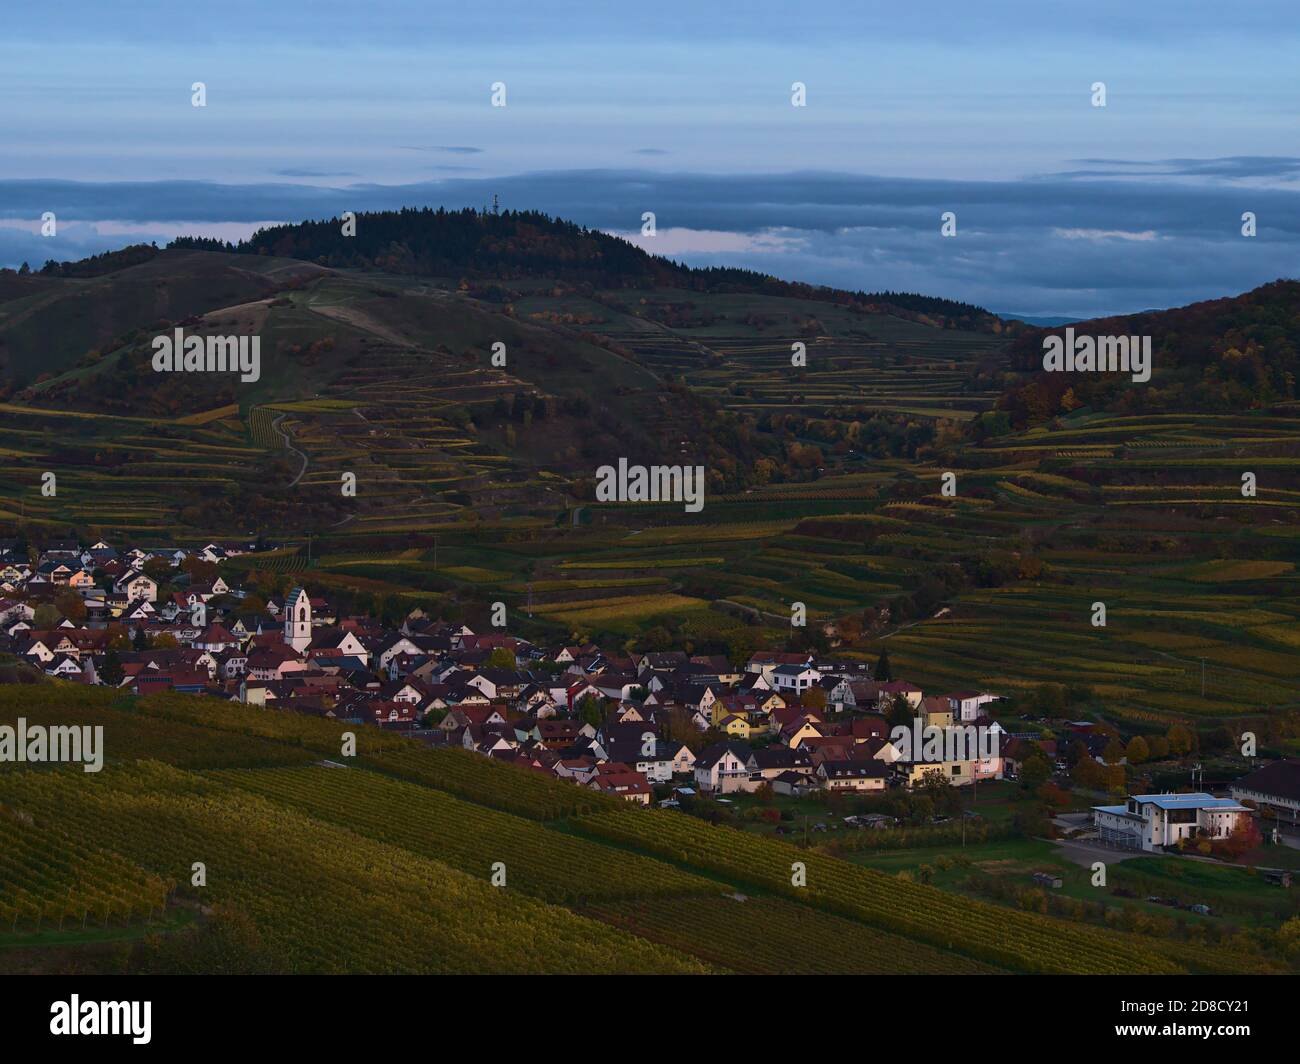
(288, 446)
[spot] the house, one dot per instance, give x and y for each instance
(804, 727)
(556, 733)
(383, 713)
(776, 761)
(136, 585)
(795, 679)
(764, 663)
(615, 685)
(622, 782)
(496, 683)
(722, 768)
(580, 770)
(138, 610)
(839, 693)
(216, 639)
(1154, 821)
(860, 776)
(958, 771)
(64, 667)
(577, 692)
(393, 647)
(794, 784)
(734, 726)
(969, 705)
(885, 694)
(37, 650)
(471, 716)
(935, 712)
(657, 759)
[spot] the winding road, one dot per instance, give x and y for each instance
(288, 446)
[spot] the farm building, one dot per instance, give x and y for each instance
(1276, 786)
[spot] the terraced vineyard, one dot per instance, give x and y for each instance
(48, 877)
(769, 936)
(473, 483)
(378, 867)
(1021, 941)
(542, 863)
(325, 899)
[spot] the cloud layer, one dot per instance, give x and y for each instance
(1108, 237)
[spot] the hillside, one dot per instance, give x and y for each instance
(823, 482)
(391, 376)
(1220, 356)
(392, 862)
(62, 322)
(505, 246)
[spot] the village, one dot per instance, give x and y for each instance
(660, 727)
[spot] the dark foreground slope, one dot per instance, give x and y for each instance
(387, 865)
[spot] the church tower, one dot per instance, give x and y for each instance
(297, 620)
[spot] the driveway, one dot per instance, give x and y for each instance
(1085, 853)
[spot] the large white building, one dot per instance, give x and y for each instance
(1154, 821)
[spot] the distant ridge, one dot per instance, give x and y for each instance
(1046, 322)
(518, 245)
(1216, 356)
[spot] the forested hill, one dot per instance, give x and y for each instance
(1220, 356)
(517, 245)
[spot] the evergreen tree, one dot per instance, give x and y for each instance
(111, 673)
(883, 672)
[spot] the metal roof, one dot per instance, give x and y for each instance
(1199, 800)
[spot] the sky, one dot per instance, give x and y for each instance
(685, 109)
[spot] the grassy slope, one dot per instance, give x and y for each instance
(289, 848)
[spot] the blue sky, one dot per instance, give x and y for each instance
(684, 108)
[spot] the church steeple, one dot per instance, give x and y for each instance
(297, 620)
